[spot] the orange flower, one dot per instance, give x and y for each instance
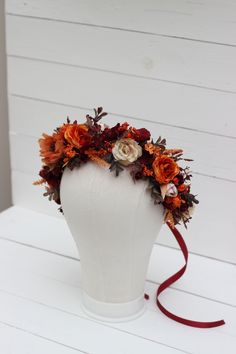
(69, 153)
(152, 149)
(174, 202)
(147, 172)
(93, 152)
(182, 187)
(40, 181)
(77, 135)
(165, 169)
(51, 148)
(94, 155)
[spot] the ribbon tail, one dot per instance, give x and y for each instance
(173, 279)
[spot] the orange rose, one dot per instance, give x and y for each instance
(174, 202)
(165, 169)
(51, 148)
(76, 135)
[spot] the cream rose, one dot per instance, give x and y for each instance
(126, 151)
(171, 190)
(168, 190)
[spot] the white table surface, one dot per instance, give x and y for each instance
(40, 297)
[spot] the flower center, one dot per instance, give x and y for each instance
(52, 146)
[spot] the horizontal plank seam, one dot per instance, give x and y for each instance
(122, 29)
(40, 248)
(15, 132)
(193, 294)
(197, 254)
(213, 176)
(147, 280)
(42, 337)
(12, 294)
(202, 87)
(119, 115)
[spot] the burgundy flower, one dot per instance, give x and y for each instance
(139, 135)
(109, 134)
(142, 134)
(52, 177)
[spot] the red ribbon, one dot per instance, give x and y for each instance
(173, 279)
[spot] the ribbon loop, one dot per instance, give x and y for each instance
(173, 279)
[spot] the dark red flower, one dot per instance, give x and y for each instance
(123, 127)
(52, 177)
(109, 134)
(143, 134)
(139, 135)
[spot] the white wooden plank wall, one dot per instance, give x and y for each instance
(166, 65)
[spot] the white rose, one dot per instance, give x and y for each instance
(168, 190)
(126, 151)
(171, 190)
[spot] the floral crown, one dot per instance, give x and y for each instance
(119, 147)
